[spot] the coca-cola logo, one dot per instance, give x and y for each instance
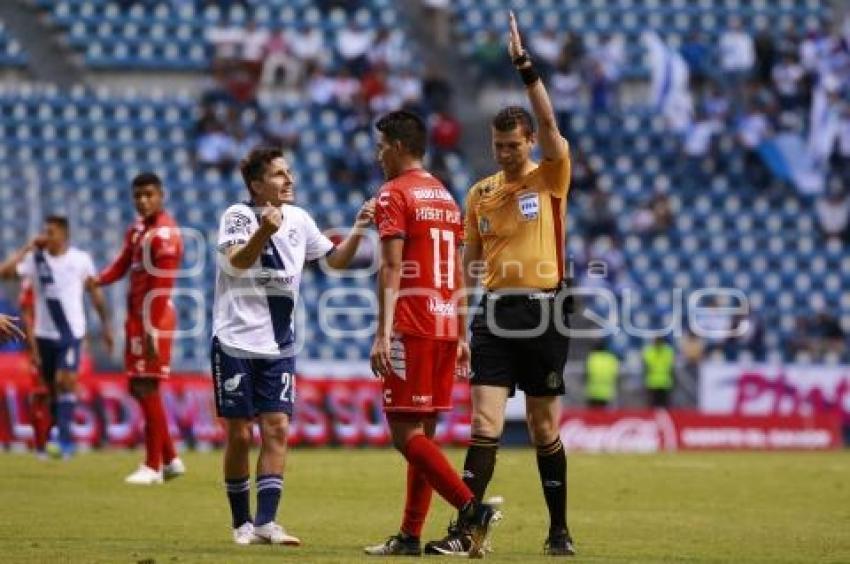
(624, 434)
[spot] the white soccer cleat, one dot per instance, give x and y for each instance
(244, 534)
(173, 469)
(144, 476)
(272, 533)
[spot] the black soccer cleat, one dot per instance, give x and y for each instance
(396, 545)
(478, 520)
(559, 543)
(455, 543)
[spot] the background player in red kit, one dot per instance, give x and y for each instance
(152, 249)
(416, 348)
(41, 395)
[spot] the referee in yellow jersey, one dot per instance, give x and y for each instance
(515, 229)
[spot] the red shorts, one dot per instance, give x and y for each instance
(135, 359)
(423, 375)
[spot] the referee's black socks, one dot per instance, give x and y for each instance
(479, 464)
(552, 465)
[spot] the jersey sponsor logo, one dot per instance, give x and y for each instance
(237, 223)
(388, 396)
(421, 400)
(384, 199)
(439, 307)
(529, 206)
(440, 194)
(232, 383)
(436, 214)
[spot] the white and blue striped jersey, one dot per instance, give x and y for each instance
(252, 309)
(59, 283)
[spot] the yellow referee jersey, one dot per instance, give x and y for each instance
(521, 226)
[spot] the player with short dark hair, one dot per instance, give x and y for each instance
(515, 224)
(421, 328)
(152, 251)
(263, 245)
(59, 274)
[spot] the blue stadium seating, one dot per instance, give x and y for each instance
(158, 35)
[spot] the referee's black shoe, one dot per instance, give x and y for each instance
(559, 543)
(396, 545)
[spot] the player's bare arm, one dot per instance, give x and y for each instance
(244, 256)
(463, 352)
(341, 255)
(552, 144)
(99, 303)
(9, 330)
(389, 281)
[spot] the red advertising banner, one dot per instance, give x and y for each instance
(658, 431)
(329, 411)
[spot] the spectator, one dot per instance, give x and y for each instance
(787, 77)
(659, 362)
(713, 322)
(308, 45)
(320, 87)
(697, 146)
(436, 91)
(226, 43)
(388, 50)
(346, 88)
(585, 179)
(253, 47)
(827, 336)
(279, 57)
(833, 213)
(606, 67)
(753, 128)
(573, 50)
(280, 130)
(546, 47)
(352, 44)
(764, 48)
(654, 218)
(407, 87)
(696, 55)
(215, 148)
(602, 371)
(691, 351)
(445, 133)
(751, 338)
(599, 219)
(565, 90)
(489, 55)
(737, 57)
(439, 17)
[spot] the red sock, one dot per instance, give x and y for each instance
(151, 408)
(168, 451)
(416, 503)
(430, 461)
(41, 423)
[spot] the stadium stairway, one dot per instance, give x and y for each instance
(49, 60)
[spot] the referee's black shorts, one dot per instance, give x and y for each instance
(517, 343)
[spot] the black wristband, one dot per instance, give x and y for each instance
(521, 59)
(528, 75)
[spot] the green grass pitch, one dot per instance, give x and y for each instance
(723, 507)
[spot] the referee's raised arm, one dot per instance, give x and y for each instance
(552, 143)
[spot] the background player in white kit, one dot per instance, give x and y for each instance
(263, 245)
(60, 275)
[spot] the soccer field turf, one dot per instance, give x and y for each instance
(767, 507)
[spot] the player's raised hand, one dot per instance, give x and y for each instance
(366, 215)
(515, 49)
(379, 357)
(463, 359)
(9, 330)
(271, 218)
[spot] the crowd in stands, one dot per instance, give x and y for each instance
(361, 74)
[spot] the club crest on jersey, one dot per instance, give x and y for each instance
(237, 223)
(292, 236)
(264, 277)
(529, 206)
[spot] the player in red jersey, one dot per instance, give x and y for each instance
(151, 253)
(40, 395)
(417, 346)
